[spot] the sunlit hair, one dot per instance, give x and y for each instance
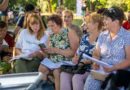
(69, 12)
(35, 19)
(26, 18)
(59, 10)
(95, 18)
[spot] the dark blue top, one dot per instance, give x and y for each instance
(20, 21)
(85, 46)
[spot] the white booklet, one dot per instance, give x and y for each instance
(51, 65)
(99, 62)
(24, 56)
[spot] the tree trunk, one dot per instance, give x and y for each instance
(50, 10)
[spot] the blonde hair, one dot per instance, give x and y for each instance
(26, 18)
(95, 18)
(60, 10)
(69, 12)
(34, 18)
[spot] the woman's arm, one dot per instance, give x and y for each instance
(74, 43)
(17, 51)
(4, 5)
(96, 54)
(125, 63)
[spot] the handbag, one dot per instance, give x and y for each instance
(98, 75)
(80, 68)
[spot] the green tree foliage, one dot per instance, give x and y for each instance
(127, 3)
(124, 4)
(70, 4)
(54, 4)
(101, 4)
(13, 4)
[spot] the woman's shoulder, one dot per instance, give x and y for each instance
(125, 33)
(24, 31)
(45, 36)
(106, 32)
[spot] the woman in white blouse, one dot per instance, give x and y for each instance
(27, 45)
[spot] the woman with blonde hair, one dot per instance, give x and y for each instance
(68, 22)
(87, 44)
(27, 45)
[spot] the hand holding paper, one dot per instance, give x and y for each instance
(25, 56)
(96, 61)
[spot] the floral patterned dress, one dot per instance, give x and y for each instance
(85, 46)
(60, 41)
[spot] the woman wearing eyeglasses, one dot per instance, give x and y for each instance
(113, 47)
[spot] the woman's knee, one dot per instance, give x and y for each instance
(76, 78)
(43, 69)
(80, 77)
(92, 84)
(66, 76)
(56, 73)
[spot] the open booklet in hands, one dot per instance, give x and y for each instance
(23, 56)
(98, 74)
(51, 65)
(99, 62)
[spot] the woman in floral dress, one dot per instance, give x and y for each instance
(62, 45)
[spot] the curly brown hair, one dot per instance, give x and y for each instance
(55, 18)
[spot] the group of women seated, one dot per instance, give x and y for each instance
(65, 42)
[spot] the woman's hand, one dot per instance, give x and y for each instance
(108, 69)
(75, 59)
(36, 54)
(51, 50)
(95, 66)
